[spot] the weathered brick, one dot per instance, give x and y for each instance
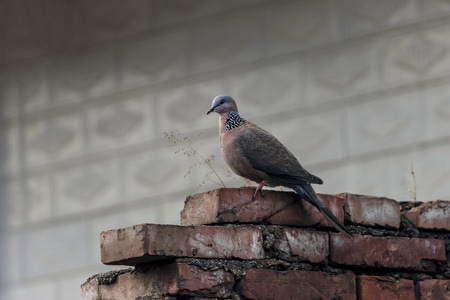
(372, 211)
(149, 242)
(431, 215)
(298, 284)
(434, 289)
(384, 287)
(90, 290)
(388, 252)
(176, 279)
(302, 245)
(229, 205)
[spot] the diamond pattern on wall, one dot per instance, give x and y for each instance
(52, 139)
(87, 186)
(385, 123)
(9, 149)
(342, 72)
(420, 54)
(154, 59)
(384, 130)
(333, 78)
(312, 138)
(299, 24)
(188, 112)
(308, 27)
(82, 83)
(228, 41)
(12, 197)
(9, 93)
(237, 41)
(33, 88)
(152, 62)
(39, 204)
(280, 82)
(377, 12)
(88, 74)
(183, 107)
(154, 172)
(119, 123)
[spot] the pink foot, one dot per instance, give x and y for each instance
(257, 188)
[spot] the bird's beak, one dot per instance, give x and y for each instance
(210, 110)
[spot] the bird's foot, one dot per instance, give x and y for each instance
(257, 188)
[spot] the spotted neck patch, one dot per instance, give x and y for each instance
(233, 120)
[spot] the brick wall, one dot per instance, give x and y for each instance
(277, 247)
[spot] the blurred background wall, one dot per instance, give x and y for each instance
(358, 90)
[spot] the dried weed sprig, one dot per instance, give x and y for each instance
(184, 145)
(413, 192)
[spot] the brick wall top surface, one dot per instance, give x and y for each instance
(278, 246)
(229, 205)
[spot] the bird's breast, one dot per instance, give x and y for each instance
(232, 155)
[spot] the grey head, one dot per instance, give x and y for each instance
(222, 104)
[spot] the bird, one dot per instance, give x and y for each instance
(253, 153)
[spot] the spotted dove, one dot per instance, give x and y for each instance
(253, 153)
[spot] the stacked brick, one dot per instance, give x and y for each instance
(279, 247)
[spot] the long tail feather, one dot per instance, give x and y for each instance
(308, 193)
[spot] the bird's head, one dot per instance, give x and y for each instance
(222, 104)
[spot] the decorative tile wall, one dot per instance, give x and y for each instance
(359, 90)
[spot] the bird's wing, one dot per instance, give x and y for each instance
(265, 153)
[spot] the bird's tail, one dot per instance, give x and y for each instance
(308, 194)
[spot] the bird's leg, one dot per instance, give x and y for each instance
(259, 188)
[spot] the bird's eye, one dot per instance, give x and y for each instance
(222, 101)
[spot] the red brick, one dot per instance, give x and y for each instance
(384, 288)
(434, 289)
(372, 211)
(90, 290)
(177, 279)
(228, 205)
(298, 284)
(431, 215)
(387, 252)
(302, 245)
(149, 242)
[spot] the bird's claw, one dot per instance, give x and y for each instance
(253, 188)
(257, 188)
(256, 191)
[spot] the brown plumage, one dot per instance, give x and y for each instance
(254, 153)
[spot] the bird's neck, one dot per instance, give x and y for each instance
(233, 120)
